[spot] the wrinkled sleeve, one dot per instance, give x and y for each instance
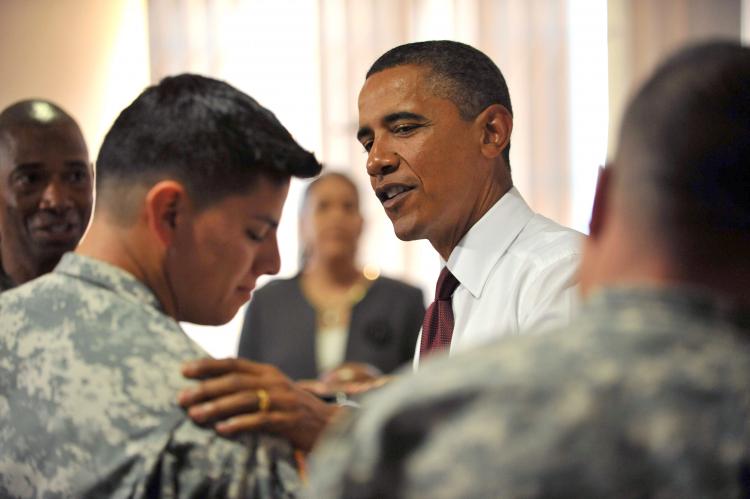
(198, 463)
(551, 298)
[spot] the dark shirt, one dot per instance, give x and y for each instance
(280, 327)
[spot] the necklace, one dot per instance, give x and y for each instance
(334, 311)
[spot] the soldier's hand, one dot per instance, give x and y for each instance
(238, 395)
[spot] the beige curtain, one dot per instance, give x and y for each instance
(643, 32)
(526, 38)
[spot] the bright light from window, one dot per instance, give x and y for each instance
(589, 112)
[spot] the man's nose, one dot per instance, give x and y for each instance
(381, 160)
(55, 196)
(268, 260)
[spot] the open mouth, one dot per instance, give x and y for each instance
(58, 232)
(392, 194)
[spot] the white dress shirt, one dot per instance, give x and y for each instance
(518, 272)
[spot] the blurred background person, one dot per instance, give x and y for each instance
(45, 189)
(330, 320)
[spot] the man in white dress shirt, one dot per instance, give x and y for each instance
(435, 119)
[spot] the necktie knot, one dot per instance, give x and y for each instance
(446, 285)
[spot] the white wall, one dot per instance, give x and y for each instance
(89, 56)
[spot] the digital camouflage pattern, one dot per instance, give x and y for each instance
(89, 375)
(646, 394)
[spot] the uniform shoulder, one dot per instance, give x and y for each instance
(256, 460)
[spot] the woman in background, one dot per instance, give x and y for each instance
(330, 321)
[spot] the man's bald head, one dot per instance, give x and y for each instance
(45, 187)
(33, 112)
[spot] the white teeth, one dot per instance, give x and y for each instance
(57, 228)
(394, 191)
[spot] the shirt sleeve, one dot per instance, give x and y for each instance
(551, 298)
(200, 463)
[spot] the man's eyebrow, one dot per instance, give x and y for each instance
(265, 218)
(26, 167)
(76, 163)
(366, 131)
(402, 115)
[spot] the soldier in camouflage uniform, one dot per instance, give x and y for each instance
(45, 189)
(647, 393)
(191, 182)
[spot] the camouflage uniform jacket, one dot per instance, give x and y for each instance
(646, 394)
(89, 375)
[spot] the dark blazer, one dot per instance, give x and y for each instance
(279, 327)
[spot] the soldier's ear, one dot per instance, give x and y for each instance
(167, 205)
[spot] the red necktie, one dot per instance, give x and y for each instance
(437, 328)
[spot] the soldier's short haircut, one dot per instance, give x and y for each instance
(458, 72)
(204, 133)
(685, 149)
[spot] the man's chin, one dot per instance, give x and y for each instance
(55, 245)
(48, 256)
(212, 318)
(406, 231)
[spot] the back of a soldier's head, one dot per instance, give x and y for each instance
(45, 187)
(681, 176)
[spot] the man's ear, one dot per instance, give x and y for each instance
(167, 206)
(601, 202)
(497, 125)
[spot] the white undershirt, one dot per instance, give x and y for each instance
(330, 347)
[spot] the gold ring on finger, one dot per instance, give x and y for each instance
(264, 400)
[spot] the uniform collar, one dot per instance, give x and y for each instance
(107, 276)
(686, 300)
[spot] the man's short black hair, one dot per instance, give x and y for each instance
(202, 132)
(685, 148)
(458, 72)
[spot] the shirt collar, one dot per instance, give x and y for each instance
(107, 276)
(472, 260)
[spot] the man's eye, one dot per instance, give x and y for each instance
(404, 129)
(367, 145)
(255, 236)
(78, 177)
(26, 179)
